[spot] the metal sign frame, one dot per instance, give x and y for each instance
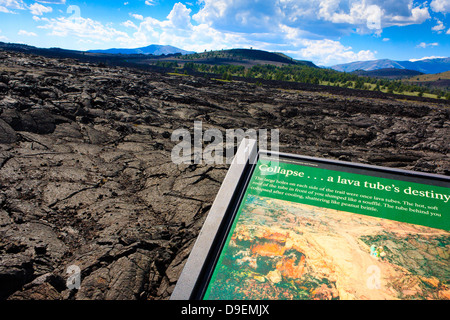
(200, 265)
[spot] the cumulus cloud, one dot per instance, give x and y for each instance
(382, 13)
(12, 4)
(328, 52)
(442, 6)
(319, 18)
(7, 6)
(439, 27)
(229, 15)
(38, 9)
(180, 16)
(137, 16)
(53, 1)
(418, 15)
(82, 28)
(359, 14)
(129, 24)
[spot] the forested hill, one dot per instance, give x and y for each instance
(389, 73)
(246, 54)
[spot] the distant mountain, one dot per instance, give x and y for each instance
(154, 49)
(389, 73)
(368, 65)
(436, 65)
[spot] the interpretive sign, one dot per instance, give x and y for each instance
(307, 228)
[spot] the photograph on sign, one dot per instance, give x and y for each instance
(312, 229)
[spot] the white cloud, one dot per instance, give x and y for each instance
(137, 16)
(12, 4)
(418, 15)
(329, 52)
(84, 28)
(359, 14)
(37, 9)
(26, 33)
(150, 2)
(386, 39)
(292, 35)
(319, 18)
(426, 58)
(425, 45)
(129, 24)
(7, 5)
(442, 6)
(439, 26)
(180, 16)
(253, 15)
(52, 1)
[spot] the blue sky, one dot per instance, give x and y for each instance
(326, 32)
